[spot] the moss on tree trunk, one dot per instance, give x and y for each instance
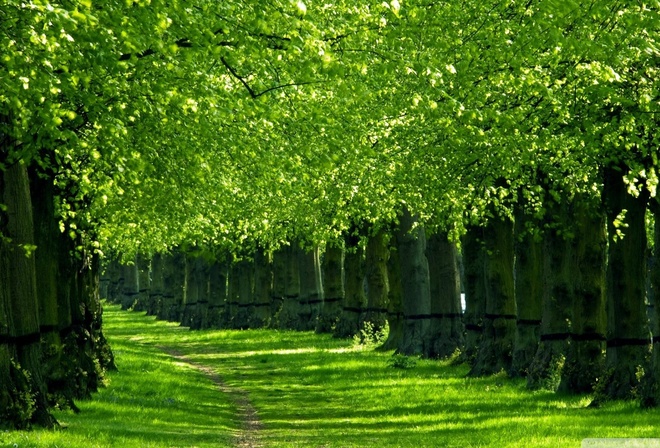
(374, 318)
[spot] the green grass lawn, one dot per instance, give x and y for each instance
(314, 391)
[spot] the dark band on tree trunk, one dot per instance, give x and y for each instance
(588, 337)
(314, 302)
(528, 321)
(332, 300)
(352, 309)
(500, 316)
(473, 327)
(625, 342)
(375, 310)
(555, 337)
(26, 339)
(261, 305)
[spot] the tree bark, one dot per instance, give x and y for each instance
(627, 324)
(394, 299)
(289, 313)
(415, 285)
(650, 396)
(245, 307)
(529, 294)
(584, 359)
(279, 282)
(263, 286)
(499, 321)
(333, 283)
(143, 264)
(217, 295)
(156, 289)
(354, 299)
(173, 284)
(311, 289)
(131, 286)
(22, 288)
(374, 318)
(474, 262)
(446, 327)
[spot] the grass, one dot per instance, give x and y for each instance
(315, 391)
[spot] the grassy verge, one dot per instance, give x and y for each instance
(152, 401)
(314, 391)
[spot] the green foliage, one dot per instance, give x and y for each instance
(399, 361)
(371, 336)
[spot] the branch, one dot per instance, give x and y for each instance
(254, 95)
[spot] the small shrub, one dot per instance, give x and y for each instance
(398, 361)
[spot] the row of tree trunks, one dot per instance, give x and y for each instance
(52, 350)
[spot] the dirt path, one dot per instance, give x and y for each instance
(247, 417)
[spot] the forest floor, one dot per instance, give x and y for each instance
(268, 388)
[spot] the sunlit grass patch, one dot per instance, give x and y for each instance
(315, 391)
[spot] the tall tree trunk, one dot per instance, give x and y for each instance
(627, 324)
(195, 290)
(446, 327)
(245, 310)
(474, 263)
(529, 294)
(289, 313)
(263, 286)
(217, 295)
(279, 284)
(22, 286)
(374, 318)
(394, 299)
(156, 289)
(415, 285)
(499, 322)
(584, 359)
(16, 386)
(354, 299)
(131, 285)
(333, 284)
(651, 392)
(116, 274)
(143, 264)
(173, 283)
(546, 368)
(311, 289)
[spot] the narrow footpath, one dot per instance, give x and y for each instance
(247, 417)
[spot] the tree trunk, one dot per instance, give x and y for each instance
(415, 285)
(22, 288)
(333, 283)
(394, 299)
(143, 265)
(354, 299)
(245, 305)
(173, 283)
(474, 262)
(499, 322)
(279, 283)
(217, 295)
(263, 286)
(196, 288)
(290, 311)
(446, 327)
(131, 285)
(529, 294)
(627, 324)
(311, 289)
(546, 368)
(374, 318)
(650, 396)
(116, 275)
(156, 289)
(584, 359)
